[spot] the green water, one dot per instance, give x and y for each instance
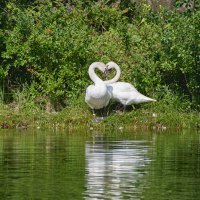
(93, 165)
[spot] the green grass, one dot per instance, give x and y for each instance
(157, 116)
(169, 112)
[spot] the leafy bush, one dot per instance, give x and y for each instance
(180, 68)
(49, 46)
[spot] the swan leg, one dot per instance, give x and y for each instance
(96, 119)
(106, 112)
(133, 107)
(119, 107)
(103, 112)
(124, 108)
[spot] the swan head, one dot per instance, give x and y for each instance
(100, 66)
(108, 68)
(110, 65)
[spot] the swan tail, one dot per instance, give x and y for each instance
(146, 99)
(138, 98)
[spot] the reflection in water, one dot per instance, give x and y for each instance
(59, 166)
(114, 169)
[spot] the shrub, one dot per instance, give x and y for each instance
(49, 46)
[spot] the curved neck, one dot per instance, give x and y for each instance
(116, 77)
(92, 73)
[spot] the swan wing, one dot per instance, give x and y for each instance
(88, 96)
(127, 97)
(123, 87)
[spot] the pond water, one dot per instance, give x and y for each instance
(94, 165)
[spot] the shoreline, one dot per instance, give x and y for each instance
(72, 118)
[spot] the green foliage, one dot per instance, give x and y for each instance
(48, 46)
(179, 54)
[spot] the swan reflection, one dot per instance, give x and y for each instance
(114, 169)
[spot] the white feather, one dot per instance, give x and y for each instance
(124, 92)
(97, 95)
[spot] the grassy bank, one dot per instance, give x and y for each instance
(157, 116)
(46, 48)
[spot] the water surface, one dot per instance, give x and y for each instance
(94, 165)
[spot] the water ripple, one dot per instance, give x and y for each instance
(114, 168)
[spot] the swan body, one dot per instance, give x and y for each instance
(97, 95)
(124, 92)
(127, 97)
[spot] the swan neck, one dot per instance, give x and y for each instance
(92, 74)
(116, 77)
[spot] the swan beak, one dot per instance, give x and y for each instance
(106, 71)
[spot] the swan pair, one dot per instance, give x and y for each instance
(98, 95)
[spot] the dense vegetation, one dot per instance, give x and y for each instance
(47, 46)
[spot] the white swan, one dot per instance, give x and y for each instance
(97, 96)
(123, 92)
